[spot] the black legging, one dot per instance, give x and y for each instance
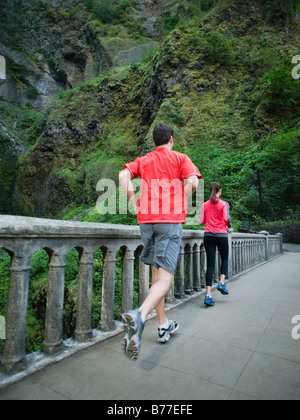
(211, 243)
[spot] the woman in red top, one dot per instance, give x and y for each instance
(215, 215)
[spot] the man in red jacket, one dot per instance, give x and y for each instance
(161, 211)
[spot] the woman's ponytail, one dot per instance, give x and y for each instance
(215, 187)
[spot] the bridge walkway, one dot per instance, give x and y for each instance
(242, 348)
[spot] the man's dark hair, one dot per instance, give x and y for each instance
(162, 134)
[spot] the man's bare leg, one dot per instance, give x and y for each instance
(160, 308)
(161, 283)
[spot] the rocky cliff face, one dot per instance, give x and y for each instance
(48, 46)
(54, 45)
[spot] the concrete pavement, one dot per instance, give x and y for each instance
(241, 349)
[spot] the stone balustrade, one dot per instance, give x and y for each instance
(22, 237)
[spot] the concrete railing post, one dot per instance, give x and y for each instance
(127, 280)
(144, 278)
(189, 271)
(14, 357)
(55, 305)
(83, 330)
(197, 274)
(280, 243)
(170, 298)
(230, 255)
(107, 322)
(266, 244)
(179, 276)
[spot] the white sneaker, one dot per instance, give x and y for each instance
(164, 334)
(132, 340)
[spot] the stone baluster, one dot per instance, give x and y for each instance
(83, 330)
(247, 253)
(233, 263)
(179, 276)
(144, 278)
(266, 244)
(107, 322)
(55, 304)
(189, 270)
(196, 262)
(238, 257)
(263, 250)
(230, 254)
(14, 356)
(203, 266)
(241, 256)
(279, 243)
(127, 280)
(170, 298)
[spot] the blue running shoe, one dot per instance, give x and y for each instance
(222, 289)
(135, 327)
(208, 301)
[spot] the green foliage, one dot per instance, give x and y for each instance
(24, 124)
(4, 280)
(217, 47)
(279, 93)
(168, 23)
(281, 9)
(108, 11)
(277, 157)
(32, 92)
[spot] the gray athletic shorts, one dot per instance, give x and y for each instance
(161, 244)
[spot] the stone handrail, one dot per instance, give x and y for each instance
(22, 237)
